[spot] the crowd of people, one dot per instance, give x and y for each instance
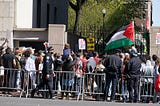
(126, 68)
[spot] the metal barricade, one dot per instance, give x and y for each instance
(65, 83)
(93, 85)
(28, 82)
(146, 88)
(10, 81)
(68, 84)
(122, 91)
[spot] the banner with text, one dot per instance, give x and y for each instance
(90, 44)
(81, 44)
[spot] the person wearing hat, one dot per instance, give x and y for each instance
(132, 70)
(47, 73)
(50, 49)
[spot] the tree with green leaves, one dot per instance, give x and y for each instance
(89, 12)
(76, 5)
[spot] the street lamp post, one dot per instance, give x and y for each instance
(104, 13)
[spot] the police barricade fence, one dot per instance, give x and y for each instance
(66, 83)
(15, 82)
(121, 90)
(10, 80)
(146, 89)
(93, 86)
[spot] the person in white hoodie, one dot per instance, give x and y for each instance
(147, 70)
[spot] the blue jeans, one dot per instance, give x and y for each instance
(111, 78)
(123, 89)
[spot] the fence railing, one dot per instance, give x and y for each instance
(66, 83)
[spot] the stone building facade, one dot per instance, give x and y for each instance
(154, 44)
(7, 21)
(25, 22)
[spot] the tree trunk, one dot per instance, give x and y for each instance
(76, 24)
(77, 8)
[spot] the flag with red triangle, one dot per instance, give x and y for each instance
(123, 37)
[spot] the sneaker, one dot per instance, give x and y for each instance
(53, 98)
(69, 94)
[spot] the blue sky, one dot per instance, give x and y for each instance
(156, 12)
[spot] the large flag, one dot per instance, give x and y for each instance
(124, 37)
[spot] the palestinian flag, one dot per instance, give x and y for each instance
(124, 37)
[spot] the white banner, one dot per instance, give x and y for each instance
(82, 44)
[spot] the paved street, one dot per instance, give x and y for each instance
(15, 101)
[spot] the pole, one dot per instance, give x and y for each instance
(104, 13)
(103, 32)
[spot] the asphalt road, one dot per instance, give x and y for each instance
(15, 101)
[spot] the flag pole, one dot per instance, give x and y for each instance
(133, 33)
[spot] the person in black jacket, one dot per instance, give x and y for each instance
(47, 73)
(113, 66)
(9, 62)
(133, 76)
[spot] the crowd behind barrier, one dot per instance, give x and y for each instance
(65, 82)
(124, 77)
